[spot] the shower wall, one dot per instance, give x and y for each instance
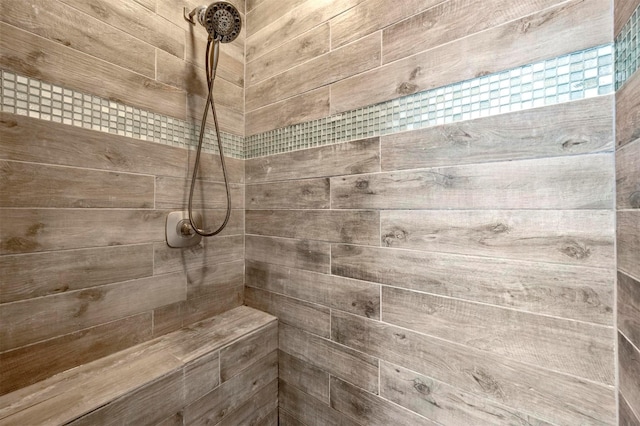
(459, 274)
(628, 225)
(85, 267)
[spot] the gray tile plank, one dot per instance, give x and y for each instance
(550, 396)
(576, 182)
(628, 241)
(581, 127)
(304, 376)
(576, 348)
(337, 360)
(296, 194)
(576, 237)
(357, 227)
(357, 297)
(629, 371)
(308, 410)
(307, 316)
(628, 296)
(361, 156)
(560, 290)
(303, 254)
(41, 274)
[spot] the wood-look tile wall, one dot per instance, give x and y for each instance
(628, 233)
(461, 274)
(306, 60)
(85, 267)
(140, 53)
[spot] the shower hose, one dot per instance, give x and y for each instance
(211, 61)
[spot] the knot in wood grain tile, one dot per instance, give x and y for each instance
(575, 250)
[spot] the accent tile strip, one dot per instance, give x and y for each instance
(30, 97)
(628, 49)
(574, 76)
(577, 75)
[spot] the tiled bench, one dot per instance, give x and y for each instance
(222, 370)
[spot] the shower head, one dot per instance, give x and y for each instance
(221, 20)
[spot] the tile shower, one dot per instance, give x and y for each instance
(439, 247)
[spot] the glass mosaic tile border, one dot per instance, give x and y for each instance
(627, 46)
(30, 97)
(574, 76)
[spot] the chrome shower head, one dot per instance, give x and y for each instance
(221, 20)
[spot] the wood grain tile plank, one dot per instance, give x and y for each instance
(264, 13)
(357, 297)
(33, 320)
(30, 364)
(89, 74)
(298, 109)
(213, 333)
(336, 65)
(192, 79)
(353, 157)
(561, 236)
(286, 419)
(629, 371)
(628, 242)
(309, 379)
(442, 403)
(139, 20)
(372, 15)
(43, 274)
(553, 397)
(148, 405)
(210, 251)
(369, 409)
(628, 111)
(337, 360)
(211, 168)
(576, 348)
(229, 396)
(303, 254)
(577, 182)
(33, 140)
(35, 185)
(257, 409)
(310, 410)
(628, 176)
(297, 194)
(293, 23)
(35, 230)
(628, 296)
(64, 25)
(565, 291)
(212, 290)
(230, 120)
(452, 20)
(570, 27)
(201, 376)
(622, 10)
(301, 49)
(308, 316)
(173, 193)
(53, 401)
(231, 59)
(358, 227)
(627, 416)
(579, 127)
(235, 357)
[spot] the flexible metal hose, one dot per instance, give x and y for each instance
(211, 65)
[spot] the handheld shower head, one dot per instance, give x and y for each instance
(221, 20)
